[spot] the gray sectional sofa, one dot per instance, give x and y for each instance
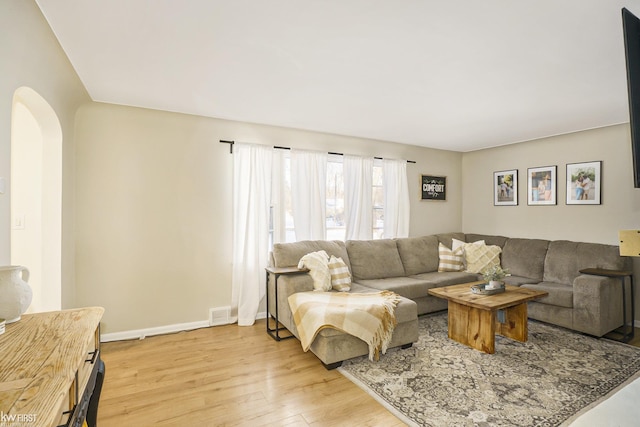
(409, 267)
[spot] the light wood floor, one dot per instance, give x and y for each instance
(229, 376)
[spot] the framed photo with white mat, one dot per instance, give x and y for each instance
(505, 188)
(541, 185)
(584, 183)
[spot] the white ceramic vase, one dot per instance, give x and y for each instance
(15, 292)
(495, 284)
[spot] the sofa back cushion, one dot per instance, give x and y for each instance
(565, 259)
(447, 239)
(288, 254)
(525, 257)
(374, 259)
(489, 240)
(418, 254)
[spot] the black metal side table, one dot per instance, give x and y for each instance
(277, 272)
(627, 330)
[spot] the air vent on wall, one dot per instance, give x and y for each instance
(219, 316)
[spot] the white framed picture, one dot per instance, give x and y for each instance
(505, 188)
(584, 183)
(542, 185)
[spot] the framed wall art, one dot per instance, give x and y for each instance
(542, 185)
(434, 187)
(584, 183)
(505, 188)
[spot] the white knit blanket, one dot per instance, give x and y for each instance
(368, 316)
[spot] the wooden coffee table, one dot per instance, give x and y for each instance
(475, 319)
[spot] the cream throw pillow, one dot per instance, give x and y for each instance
(457, 244)
(479, 257)
(450, 260)
(340, 275)
(318, 265)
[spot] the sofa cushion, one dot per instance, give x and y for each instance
(447, 238)
(490, 240)
(565, 259)
(450, 260)
(418, 254)
(525, 257)
(518, 280)
(289, 254)
(448, 278)
(408, 287)
(480, 257)
(560, 294)
(374, 259)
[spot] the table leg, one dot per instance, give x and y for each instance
(633, 309)
(515, 323)
(473, 327)
(274, 332)
(627, 329)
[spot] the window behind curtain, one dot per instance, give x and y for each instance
(335, 221)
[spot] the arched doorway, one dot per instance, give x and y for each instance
(36, 196)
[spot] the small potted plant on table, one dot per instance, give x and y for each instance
(493, 276)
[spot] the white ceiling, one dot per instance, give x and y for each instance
(452, 74)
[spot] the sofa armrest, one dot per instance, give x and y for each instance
(597, 303)
(287, 286)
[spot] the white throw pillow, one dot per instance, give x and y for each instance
(450, 260)
(455, 244)
(479, 257)
(318, 265)
(459, 243)
(340, 275)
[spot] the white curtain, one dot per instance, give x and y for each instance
(308, 194)
(396, 198)
(278, 192)
(358, 194)
(251, 199)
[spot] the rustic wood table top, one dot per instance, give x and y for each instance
(462, 294)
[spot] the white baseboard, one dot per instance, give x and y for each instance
(140, 334)
(158, 330)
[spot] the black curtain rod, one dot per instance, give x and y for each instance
(230, 145)
(289, 148)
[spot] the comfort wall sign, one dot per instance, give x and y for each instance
(434, 187)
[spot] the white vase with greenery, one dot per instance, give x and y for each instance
(493, 276)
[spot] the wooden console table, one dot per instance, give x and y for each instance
(49, 367)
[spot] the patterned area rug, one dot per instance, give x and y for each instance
(543, 382)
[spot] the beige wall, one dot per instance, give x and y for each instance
(620, 208)
(32, 57)
(154, 215)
